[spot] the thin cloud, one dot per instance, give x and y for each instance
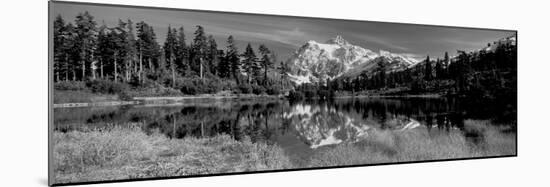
(380, 41)
(287, 34)
(289, 37)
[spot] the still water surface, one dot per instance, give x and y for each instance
(299, 128)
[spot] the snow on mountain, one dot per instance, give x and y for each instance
(507, 40)
(317, 62)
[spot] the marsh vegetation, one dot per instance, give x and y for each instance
(140, 141)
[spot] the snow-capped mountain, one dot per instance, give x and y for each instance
(507, 40)
(317, 62)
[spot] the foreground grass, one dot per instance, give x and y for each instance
(127, 153)
(81, 96)
(405, 146)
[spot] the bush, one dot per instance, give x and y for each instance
(257, 89)
(310, 94)
(125, 96)
(245, 88)
(70, 85)
(107, 86)
(273, 90)
(188, 87)
(212, 86)
(196, 85)
(325, 94)
(295, 95)
(228, 84)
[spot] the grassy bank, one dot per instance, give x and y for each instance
(68, 97)
(404, 146)
(103, 90)
(81, 96)
(127, 152)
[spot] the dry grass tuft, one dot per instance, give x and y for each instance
(126, 153)
(418, 145)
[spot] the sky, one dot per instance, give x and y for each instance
(284, 35)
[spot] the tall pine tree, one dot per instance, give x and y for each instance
(428, 76)
(199, 50)
(170, 47)
(249, 62)
(232, 57)
(266, 61)
(86, 40)
(182, 54)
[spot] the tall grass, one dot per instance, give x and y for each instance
(418, 145)
(125, 153)
(81, 96)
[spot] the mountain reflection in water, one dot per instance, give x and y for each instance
(295, 127)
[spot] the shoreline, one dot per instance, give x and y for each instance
(207, 97)
(390, 96)
(165, 100)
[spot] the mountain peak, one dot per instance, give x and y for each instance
(318, 62)
(338, 40)
(384, 53)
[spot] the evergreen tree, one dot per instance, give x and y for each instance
(283, 71)
(104, 50)
(249, 62)
(86, 40)
(119, 44)
(439, 71)
(71, 52)
(60, 47)
(224, 68)
(131, 50)
(232, 57)
(380, 77)
(182, 54)
(266, 60)
(199, 50)
(170, 47)
(428, 70)
(212, 56)
(148, 48)
(446, 59)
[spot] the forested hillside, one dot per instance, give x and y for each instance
(127, 59)
(488, 73)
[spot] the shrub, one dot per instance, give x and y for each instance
(273, 90)
(310, 94)
(196, 85)
(295, 95)
(70, 85)
(228, 84)
(106, 86)
(212, 86)
(257, 89)
(188, 87)
(325, 94)
(125, 96)
(245, 88)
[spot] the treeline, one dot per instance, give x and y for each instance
(480, 74)
(483, 74)
(130, 55)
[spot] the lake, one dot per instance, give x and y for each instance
(303, 129)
